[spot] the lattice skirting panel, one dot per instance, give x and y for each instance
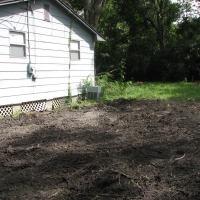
(37, 106)
(56, 103)
(6, 110)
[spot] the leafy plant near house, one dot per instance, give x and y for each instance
(84, 84)
(69, 96)
(122, 72)
(106, 82)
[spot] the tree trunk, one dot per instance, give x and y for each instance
(92, 11)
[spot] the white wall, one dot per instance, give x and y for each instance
(49, 54)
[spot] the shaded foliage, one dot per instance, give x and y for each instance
(188, 34)
(92, 9)
(148, 36)
(110, 53)
(76, 4)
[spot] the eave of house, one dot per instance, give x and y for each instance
(71, 11)
(6, 2)
(98, 36)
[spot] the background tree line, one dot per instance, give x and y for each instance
(149, 40)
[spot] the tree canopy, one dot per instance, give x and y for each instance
(92, 9)
(150, 40)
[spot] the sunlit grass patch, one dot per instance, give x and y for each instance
(151, 90)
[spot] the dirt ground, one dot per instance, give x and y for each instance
(127, 149)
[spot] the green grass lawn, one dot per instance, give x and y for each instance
(147, 90)
(181, 90)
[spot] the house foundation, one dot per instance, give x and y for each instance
(34, 106)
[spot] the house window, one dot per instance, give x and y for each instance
(75, 50)
(17, 44)
(46, 13)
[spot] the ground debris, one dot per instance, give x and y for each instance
(121, 150)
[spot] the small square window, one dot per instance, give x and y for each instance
(17, 44)
(46, 13)
(75, 50)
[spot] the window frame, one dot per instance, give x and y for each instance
(75, 51)
(15, 44)
(46, 8)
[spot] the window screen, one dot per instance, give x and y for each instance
(75, 50)
(17, 44)
(46, 13)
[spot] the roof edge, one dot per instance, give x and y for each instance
(99, 37)
(11, 2)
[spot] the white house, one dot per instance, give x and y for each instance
(46, 50)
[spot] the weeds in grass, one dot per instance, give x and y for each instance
(16, 114)
(132, 90)
(14, 187)
(153, 90)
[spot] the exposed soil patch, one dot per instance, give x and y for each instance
(127, 149)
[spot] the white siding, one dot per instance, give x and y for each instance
(49, 54)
